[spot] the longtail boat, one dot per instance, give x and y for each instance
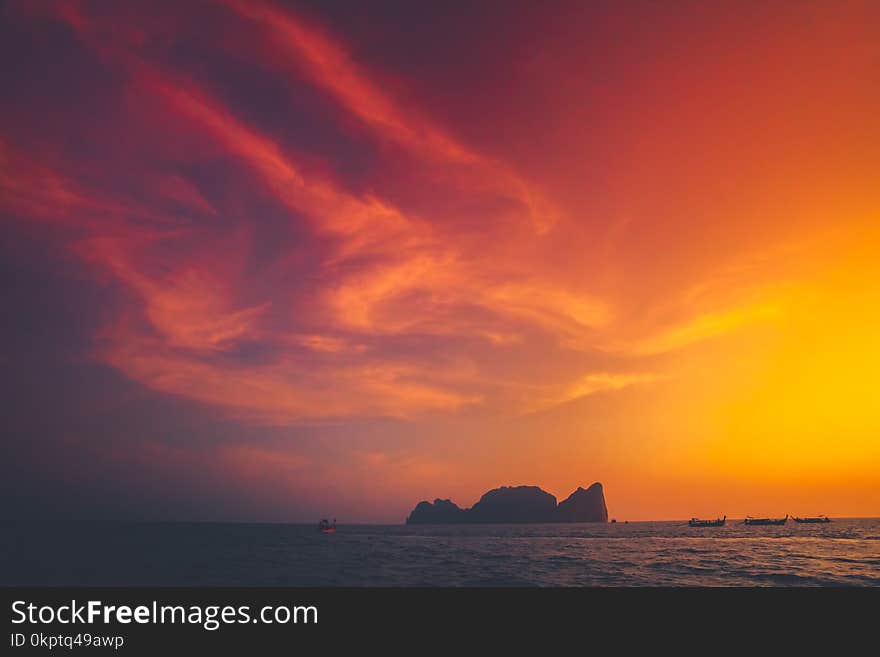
(765, 521)
(813, 520)
(696, 522)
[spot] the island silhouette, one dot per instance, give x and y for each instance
(513, 504)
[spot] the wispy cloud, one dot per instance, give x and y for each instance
(699, 328)
(285, 292)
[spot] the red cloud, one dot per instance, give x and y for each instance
(333, 318)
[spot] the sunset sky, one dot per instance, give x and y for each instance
(275, 261)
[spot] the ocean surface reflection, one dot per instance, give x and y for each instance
(845, 552)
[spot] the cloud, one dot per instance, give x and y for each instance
(545, 398)
(283, 292)
(599, 382)
(700, 328)
(328, 64)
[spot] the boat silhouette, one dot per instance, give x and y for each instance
(813, 520)
(696, 522)
(325, 527)
(765, 521)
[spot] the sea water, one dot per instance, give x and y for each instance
(845, 552)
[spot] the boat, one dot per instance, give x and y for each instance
(325, 527)
(813, 520)
(696, 522)
(765, 521)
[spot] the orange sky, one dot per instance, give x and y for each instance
(396, 256)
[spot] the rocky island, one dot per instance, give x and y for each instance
(513, 504)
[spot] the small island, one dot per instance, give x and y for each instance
(515, 504)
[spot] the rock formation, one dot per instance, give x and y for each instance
(512, 504)
(441, 511)
(583, 505)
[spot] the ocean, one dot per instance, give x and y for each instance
(845, 552)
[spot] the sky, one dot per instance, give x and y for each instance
(273, 261)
